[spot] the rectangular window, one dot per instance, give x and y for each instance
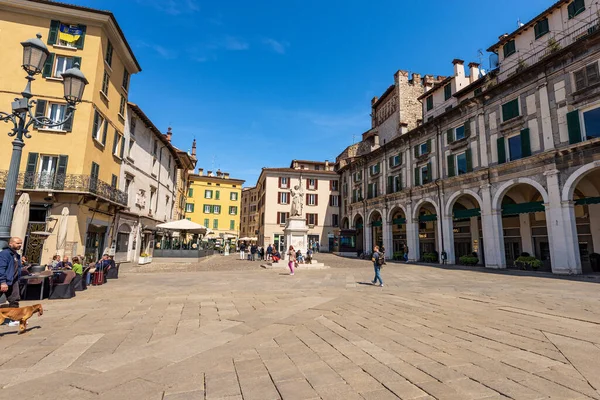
(131, 143)
(509, 48)
(206, 222)
(62, 64)
(207, 209)
(233, 196)
(311, 219)
(335, 185)
(105, 81)
(116, 141)
(447, 91)
(357, 176)
(374, 169)
(282, 217)
(233, 210)
(284, 183)
(591, 123)
(215, 224)
(576, 8)
(394, 161)
(335, 220)
(425, 174)
(586, 76)
(312, 184)
(113, 181)
(232, 225)
(430, 103)
(109, 54)
(510, 110)
(541, 28)
(122, 106)
(155, 148)
(216, 209)
(372, 191)
(99, 123)
(190, 192)
(334, 200)
(284, 198)
(217, 194)
(208, 194)
(125, 83)
(189, 207)
(461, 163)
(514, 148)
(459, 133)
(311, 199)
(423, 148)
(132, 126)
(56, 112)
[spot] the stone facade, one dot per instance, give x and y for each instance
(513, 167)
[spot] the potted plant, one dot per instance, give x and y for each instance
(145, 258)
(526, 261)
(469, 260)
(430, 257)
(553, 45)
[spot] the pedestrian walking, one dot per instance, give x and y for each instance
(291, 259)
(405, 253)
(243, 251)
(318, 247)
(269, 252)
(253, 250)
(378, 260)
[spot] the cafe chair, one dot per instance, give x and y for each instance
(64, 286)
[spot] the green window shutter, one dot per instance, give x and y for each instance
(451, 167)
(417, 177)
(501, 150)
(398, 180)
(48, 65)
(68, 125)
(77, 60)
(447, 91)
(125, 79)
(217, 194)
(450, 135)
(105, 132)
(190, 192)
(429, 172)
(212, 209)
(115, 142)
(81, 40)
(122, 152)
(429, 103)
(428, 146)
(192, 207)
(95, 126)
(468, 128)
(574, 127)
(53, 33)
(400, 156)
(390, 184)
(30, 171)
(525, 143)
(416, 150)
(469, 157)
(40, 111)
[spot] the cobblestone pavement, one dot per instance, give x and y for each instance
(238, 332)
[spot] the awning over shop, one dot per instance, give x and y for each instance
(183, 225)
(587, 200)
(377, 223)
(428, 218)
(523, 208)
(466, 214)
(399, 221)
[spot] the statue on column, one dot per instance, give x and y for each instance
(297, 199)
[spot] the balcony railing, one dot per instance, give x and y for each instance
(558, 42)
(70, 183)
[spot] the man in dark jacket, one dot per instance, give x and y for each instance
(10, 272)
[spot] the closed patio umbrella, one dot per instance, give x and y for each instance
(63, 225)
(20, 218)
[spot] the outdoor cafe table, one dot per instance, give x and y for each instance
(43, 276)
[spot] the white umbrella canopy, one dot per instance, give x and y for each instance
(61, 235)
(244, 239)
(183, 225)
(20, 220)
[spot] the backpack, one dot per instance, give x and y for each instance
(381, 259)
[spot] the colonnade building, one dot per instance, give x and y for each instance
(499, 163)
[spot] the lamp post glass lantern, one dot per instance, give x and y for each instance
(35, 54)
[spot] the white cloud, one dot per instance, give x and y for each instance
(162, 51)
(172, 7)
(235, 44)
(276, 46)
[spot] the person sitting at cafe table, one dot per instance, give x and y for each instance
(64, 264)
(54, 262)
(103, 263)
(77, 267)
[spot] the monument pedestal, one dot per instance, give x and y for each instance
(296, 234)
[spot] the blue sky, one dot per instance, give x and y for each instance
(261, 82)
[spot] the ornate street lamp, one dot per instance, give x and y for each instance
(35, 54)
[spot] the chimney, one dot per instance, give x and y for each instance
(326, 165)
(226, 175)
(201, 171)
(473, 72)
(459, 67)
(169, 134)
(194, 148)
(219, 173)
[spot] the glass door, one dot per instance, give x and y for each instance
(47, 171)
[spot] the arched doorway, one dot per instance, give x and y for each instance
(345, 223)
(465, 230)
(426, 216)
(398, 232)
(376, 223)
(584, 192)
(123, 244)
(359, 226)
(524, 225)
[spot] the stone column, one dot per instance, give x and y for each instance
(368, 237)
(482, 140)
(525, 231)
(493, 236)
(475, 234)
(412, 235)
(594, 210)
(545, 117)
(562, 229)
(448, 240)
(387, 236)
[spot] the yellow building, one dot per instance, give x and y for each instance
(75, 165)
(214, 201)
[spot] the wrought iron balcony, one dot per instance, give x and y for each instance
(68, 183)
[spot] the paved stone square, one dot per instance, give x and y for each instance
(227, 329)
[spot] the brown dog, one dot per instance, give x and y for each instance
(21, 314)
